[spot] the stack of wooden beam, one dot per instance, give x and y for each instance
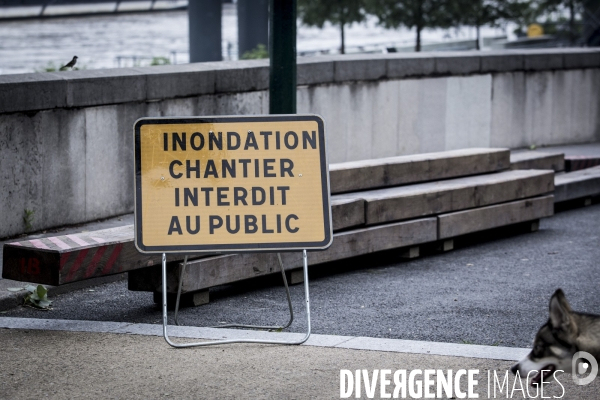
(577, 177)
(393, 203)
(399, 202)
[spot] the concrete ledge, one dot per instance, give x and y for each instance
(24, 92)
(502, 61)
(241, 76)
(104, 86)
(169, 81)
(411, 64)
(543, 60)
(581, 58)
(314, 70)
(362, 67)
(457, 63)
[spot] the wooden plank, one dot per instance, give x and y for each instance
(479, 219)
(393, 171)
(576, 163)
(347, 213)
(576, 185)
(537, 160)
(220, 270)
(424, 199)
(69, 258)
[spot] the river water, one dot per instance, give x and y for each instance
(111, 41)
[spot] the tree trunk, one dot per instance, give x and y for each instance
(571, 22)
(419, 25)
(343, 48)
(478, 39)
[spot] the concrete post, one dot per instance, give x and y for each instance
(205, 30)
(253, 24)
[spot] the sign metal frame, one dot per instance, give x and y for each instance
(244, 247)
(233, 248)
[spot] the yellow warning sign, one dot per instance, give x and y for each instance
(252, 183)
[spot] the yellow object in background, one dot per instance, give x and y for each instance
(535, 30)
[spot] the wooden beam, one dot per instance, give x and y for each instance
(577, 163)
(576, 185)
(537, 160)
(424, 199)
(347, 213)
(459, 223)
(393, 171)
(69, 258)
(220, 270)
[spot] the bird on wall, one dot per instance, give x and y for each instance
(70, 64)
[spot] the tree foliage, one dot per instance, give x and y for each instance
(259, 52)
(418, 14)
(337, 12)
(478, 13)
(571, 7)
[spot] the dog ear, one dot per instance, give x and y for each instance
(560, 311)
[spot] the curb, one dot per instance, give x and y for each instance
(10, 300)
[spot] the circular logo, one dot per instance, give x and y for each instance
(584, 363)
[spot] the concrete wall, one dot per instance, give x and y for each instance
(66, 148)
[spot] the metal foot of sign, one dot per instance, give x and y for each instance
(261, 327)
(216, 342)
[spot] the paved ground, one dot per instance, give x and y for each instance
(490, 292)
(74, 365)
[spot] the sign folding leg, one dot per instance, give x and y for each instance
(226, 341)
(262, 327)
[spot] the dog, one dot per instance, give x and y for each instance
(555, 344)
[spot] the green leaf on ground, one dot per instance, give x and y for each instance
(37, 297)
(41, 291)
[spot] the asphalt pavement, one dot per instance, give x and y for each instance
(493, 289)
